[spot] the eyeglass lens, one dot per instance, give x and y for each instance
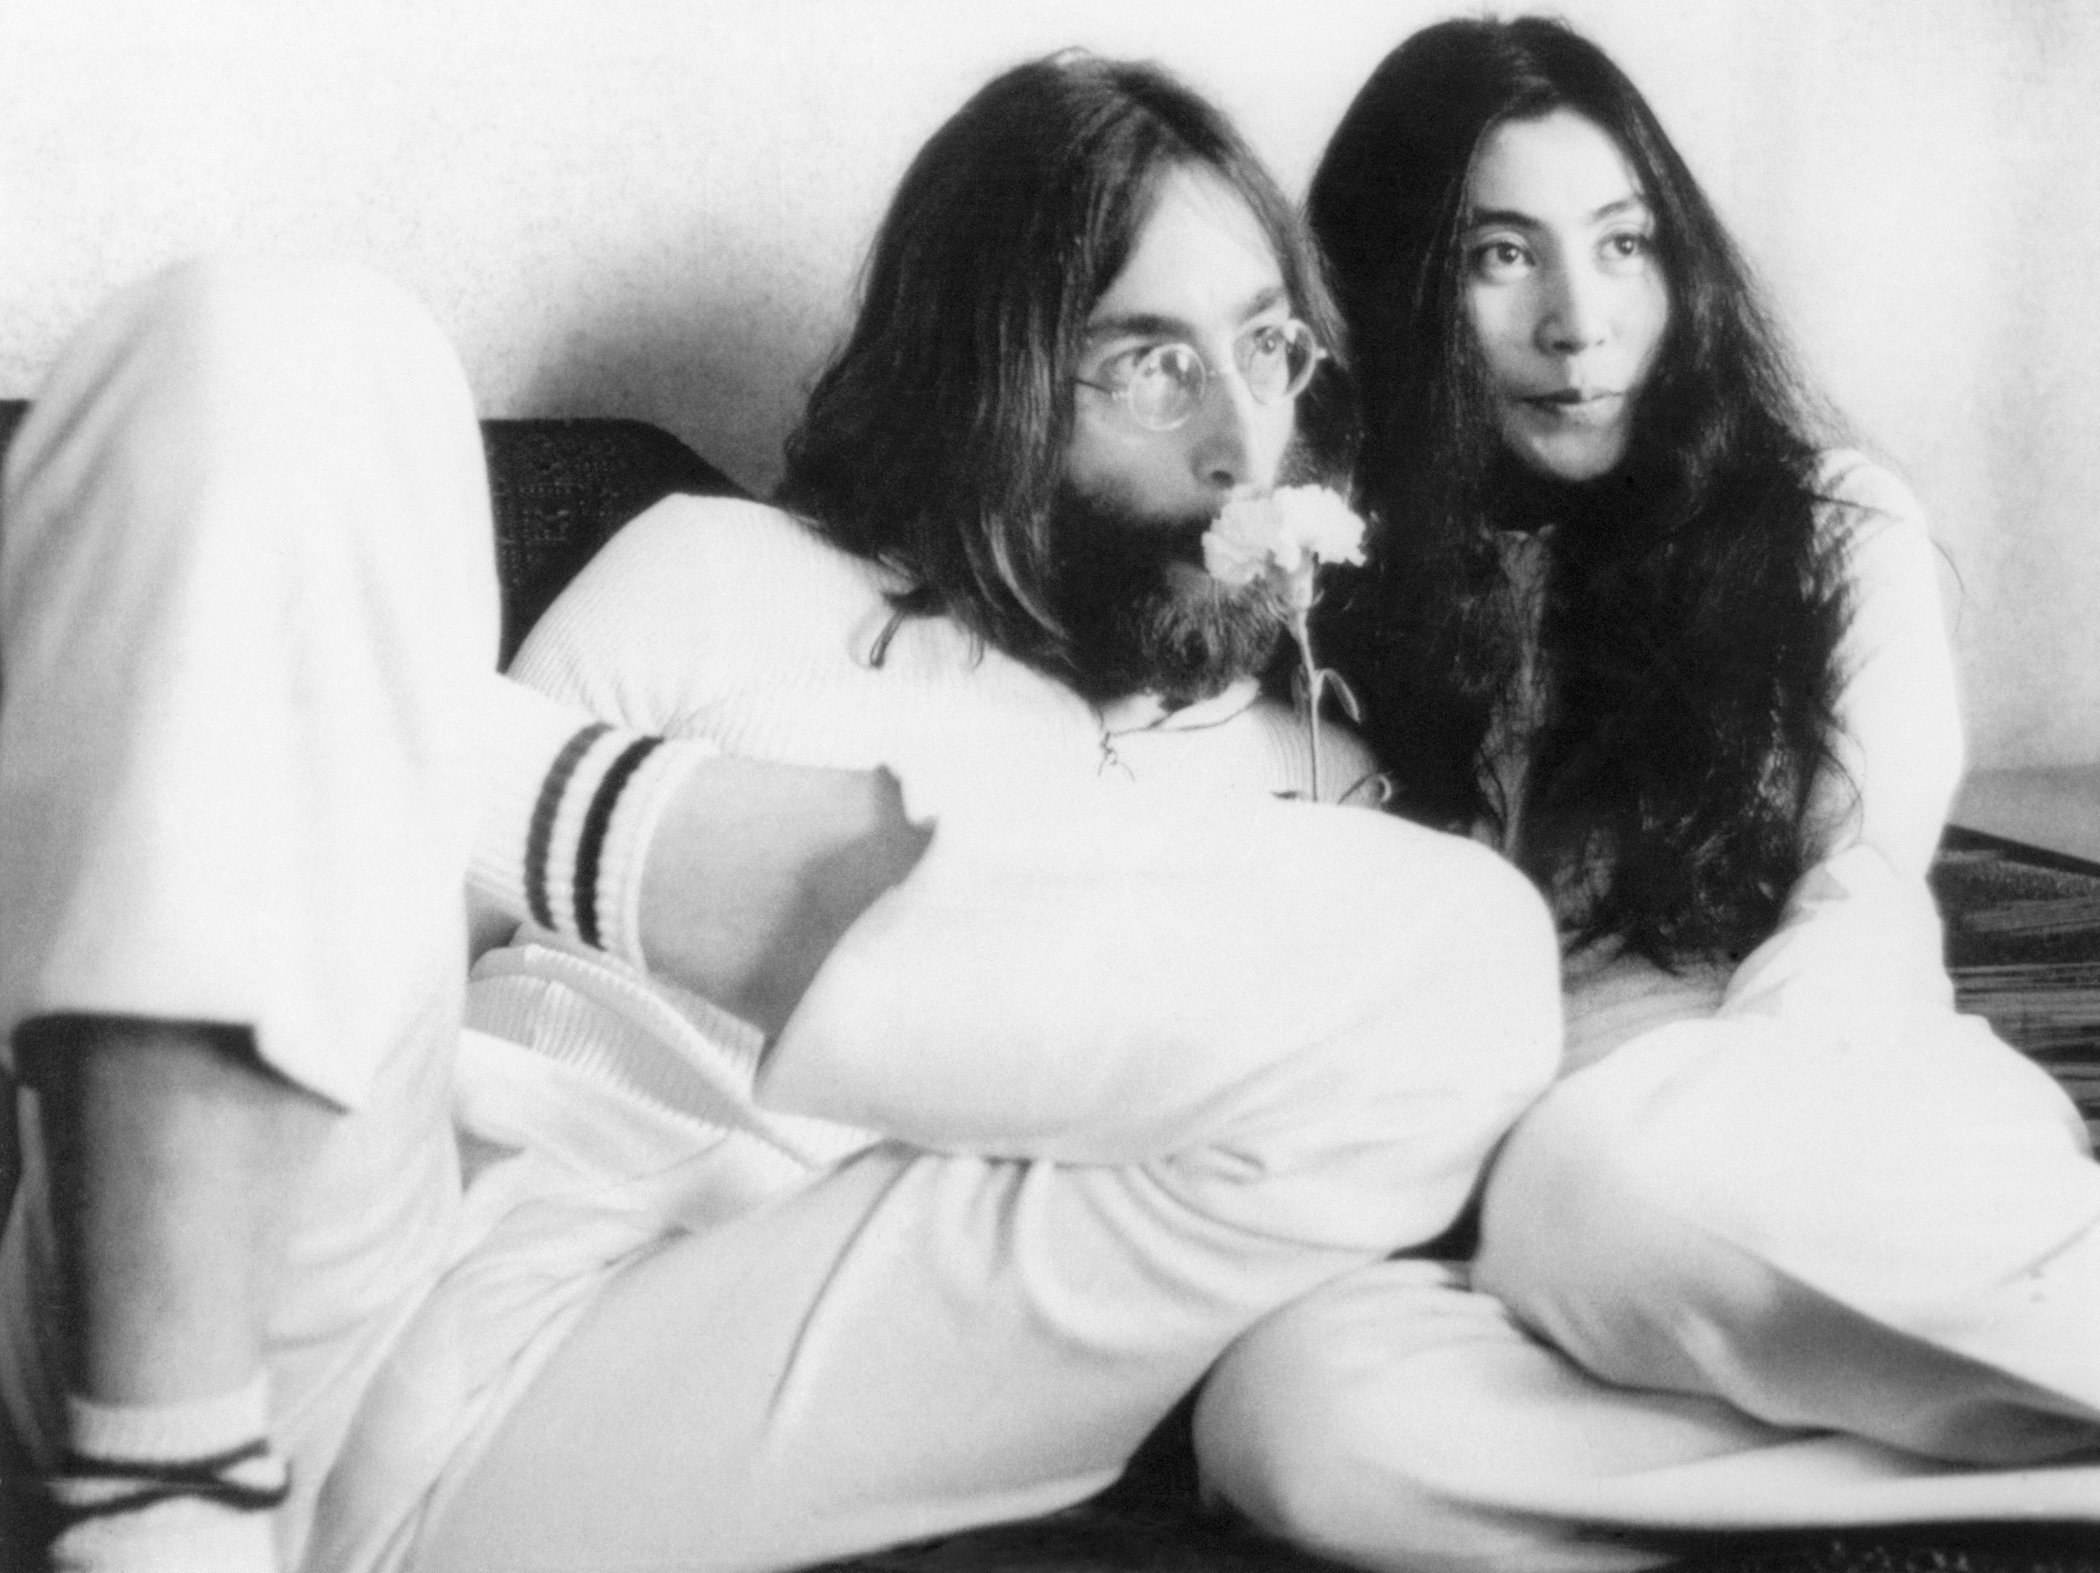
(1275, 360)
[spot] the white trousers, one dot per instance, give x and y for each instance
(1731, 1277)
(1146, 1069)
(247, 596)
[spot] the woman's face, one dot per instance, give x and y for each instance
(1563, 289)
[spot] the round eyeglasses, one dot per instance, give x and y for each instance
(1162, 385)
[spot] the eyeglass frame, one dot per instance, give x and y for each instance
(1209, 374)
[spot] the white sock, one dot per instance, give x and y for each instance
(174, 1488)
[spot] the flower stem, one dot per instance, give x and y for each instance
(1301, 631)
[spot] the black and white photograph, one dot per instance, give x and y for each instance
(1100, 786)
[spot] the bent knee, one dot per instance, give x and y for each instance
(1460, 1026)
(282, 305)
(257, 398)
(1276, 1433)
(1330, 1426)
(266, 343)
(1594, 1181)
(1471, 933)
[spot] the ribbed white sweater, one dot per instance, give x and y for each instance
(731, 623)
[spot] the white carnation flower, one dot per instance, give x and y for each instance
(1284, 538)
(1320, 524)
(1247, 541)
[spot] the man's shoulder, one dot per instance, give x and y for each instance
(735, 531)
(1347, 764)
(742, 565)
(1262, 745)
(694, 598)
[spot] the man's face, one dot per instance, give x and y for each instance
(1136, 501)
(1201, 274)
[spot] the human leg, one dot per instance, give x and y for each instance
(1896, 1238)
(1879, 1247)
(148, 1128)
(166, 1250)
(245, 598)
(1399, 1419)
(1130, 1135)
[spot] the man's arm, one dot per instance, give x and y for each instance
(756, 870)
(730, 877)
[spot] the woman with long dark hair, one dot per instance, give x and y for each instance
(1790, 1241)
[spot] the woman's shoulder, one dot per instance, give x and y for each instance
(1892, 566)
(1860, 497)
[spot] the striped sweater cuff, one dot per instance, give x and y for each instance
(571, 807)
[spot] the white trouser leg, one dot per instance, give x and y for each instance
(246, 606)
(1148, 1079)
(1397, 1419)
(1896, 1238)
(1883, 1253)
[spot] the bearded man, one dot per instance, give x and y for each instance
(1090, 321)
(1020, 1163)
(933, 1229)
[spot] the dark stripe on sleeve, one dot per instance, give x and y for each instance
(540, 839)
(596, 823)
(152, 1481)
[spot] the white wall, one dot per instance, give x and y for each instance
(656, 207)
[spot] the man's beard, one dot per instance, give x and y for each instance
(1143, 615)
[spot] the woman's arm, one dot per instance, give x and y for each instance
(1860, 938)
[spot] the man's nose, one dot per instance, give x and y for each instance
(1575, 315)
(1233, 441)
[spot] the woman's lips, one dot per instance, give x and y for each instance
(1576, 406)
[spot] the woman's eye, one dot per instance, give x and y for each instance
(1496, 259)
(1628, 245)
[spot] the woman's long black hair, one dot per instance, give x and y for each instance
(1693, 609)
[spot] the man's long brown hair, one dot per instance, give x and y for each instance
(935, 440)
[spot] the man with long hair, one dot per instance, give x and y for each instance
(1089, 321)
(1105, 1040)
(948, 444)
(859, 1242)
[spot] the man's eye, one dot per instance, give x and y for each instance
(1267, 343)
(1135, 364)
